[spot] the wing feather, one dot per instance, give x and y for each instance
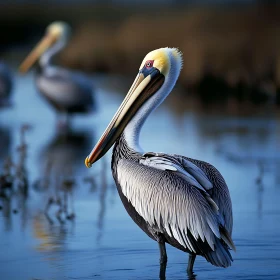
(196, 172)
(219, 193)
(169, 203)
(162, 163)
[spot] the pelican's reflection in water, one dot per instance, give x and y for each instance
(67, 150)
(62, 160)
(162, 273)
(51, 236)
(192, 276)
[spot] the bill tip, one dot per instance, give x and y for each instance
(87, 163)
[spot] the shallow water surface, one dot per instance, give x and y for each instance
(70, 223)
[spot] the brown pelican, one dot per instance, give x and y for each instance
(68, 92)
(174, 199)
(6, 84)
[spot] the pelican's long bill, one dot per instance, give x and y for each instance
(48, 40)
(143, 87)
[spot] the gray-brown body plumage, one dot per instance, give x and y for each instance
(174, 199)
(67, 91)
(165, 204)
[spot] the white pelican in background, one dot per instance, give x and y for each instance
(68, 92)
(182, 201)
(6, 84)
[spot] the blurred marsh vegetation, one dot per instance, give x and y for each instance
(230, 49)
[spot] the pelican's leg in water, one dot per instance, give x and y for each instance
(163, 260)
(66, 119)
(63, 121)
(191, 263)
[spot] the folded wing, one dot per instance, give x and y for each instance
(173, 199)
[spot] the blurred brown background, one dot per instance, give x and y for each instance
(230, 48)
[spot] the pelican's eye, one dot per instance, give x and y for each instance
(149, 64)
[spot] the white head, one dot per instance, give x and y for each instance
(157, 76)
(56, 31)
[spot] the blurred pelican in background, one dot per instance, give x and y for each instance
(6, 85)
(67, 91)
(174, 199)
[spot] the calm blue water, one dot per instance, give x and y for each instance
(102, 242)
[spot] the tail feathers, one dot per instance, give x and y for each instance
(220, 257)
(225, 236)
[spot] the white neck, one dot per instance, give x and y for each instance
(45, 59)
(132, 131)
